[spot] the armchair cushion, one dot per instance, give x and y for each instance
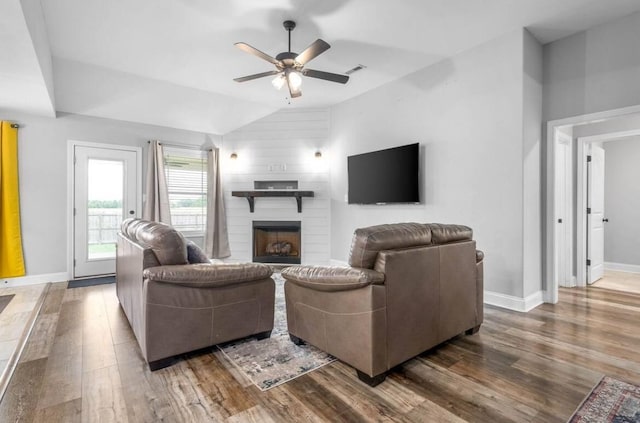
(444, 234)
(332, 278)
(367, 242)
(167, 244)
(208, 275)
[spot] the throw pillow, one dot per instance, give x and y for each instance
(195, 254)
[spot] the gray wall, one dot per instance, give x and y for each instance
(531, 153)
(467, 114)
(622, 202)
(43, 168)
(594, 70)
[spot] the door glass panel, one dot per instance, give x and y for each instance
(104, 207)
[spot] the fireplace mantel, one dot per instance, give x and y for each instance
(251, 196)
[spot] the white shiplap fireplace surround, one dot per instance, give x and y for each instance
(281, 146)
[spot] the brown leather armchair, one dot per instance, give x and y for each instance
(410, 287)
(175, 306)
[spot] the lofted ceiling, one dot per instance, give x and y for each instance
(172, 62)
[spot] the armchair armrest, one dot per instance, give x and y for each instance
(332, 278)
(207, 275)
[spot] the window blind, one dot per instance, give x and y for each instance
(186, 173)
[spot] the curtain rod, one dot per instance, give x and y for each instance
(185, 146)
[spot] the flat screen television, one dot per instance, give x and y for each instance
(385, 176)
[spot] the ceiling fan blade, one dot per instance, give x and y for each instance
(314, 50)
(256, 76)
(327, 76)
(252, 50)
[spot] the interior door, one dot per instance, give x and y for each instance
(595, 215)
(564, 263)
(105, 193)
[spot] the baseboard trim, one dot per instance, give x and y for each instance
(621, 267)
(33, 279)
(511, 302)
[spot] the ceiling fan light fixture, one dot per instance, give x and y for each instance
(279, 81)
(295, 79)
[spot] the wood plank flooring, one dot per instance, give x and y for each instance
(619, 281)
(83, 364)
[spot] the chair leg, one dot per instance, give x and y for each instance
(472, 331)
(263, 335)
(371, 381)
(162, 363)
(296, 340)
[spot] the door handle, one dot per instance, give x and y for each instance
(132, 212)
(559, 220)
(605, 220)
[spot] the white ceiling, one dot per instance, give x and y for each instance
(172, 62)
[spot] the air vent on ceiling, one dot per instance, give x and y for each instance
(355, 69)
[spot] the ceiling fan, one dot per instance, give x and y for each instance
(290, 66)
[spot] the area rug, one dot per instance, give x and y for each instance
(80, 283)
(611, 401)
(276, 360)
(5, 300)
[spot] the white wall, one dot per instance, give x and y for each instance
(622, 202)
(594, 70)
(289, 138)
(467, 113)
(43, 169)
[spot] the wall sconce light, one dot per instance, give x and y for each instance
(318, 154)
(233, 156)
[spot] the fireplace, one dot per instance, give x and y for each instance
(276, 242)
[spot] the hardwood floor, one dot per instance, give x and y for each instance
(619, 281)
(83, 364)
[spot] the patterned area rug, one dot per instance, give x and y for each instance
(611, 401)
(274, 361)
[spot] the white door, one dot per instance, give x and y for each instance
(595, 215)
(562, 209)
(105, 193)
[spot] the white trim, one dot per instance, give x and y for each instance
(550, 232)
(514, 303)
(581, 213)
(339, 263)
(34, 279)
(621, 267)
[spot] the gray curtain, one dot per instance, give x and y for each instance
(216, 238)
(156, 207)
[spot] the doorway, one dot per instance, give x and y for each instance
(106, 190)
(607, 120)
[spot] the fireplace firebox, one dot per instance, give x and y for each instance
(277, 242)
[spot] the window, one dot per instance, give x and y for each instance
(186, 172)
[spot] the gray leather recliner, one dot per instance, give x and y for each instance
(175, 307)
(410, 287)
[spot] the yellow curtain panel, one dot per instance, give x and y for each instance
(11, 259)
